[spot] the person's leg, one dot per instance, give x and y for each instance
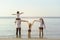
(19, 32)
(29, 33)
(42, 33)
(39, 32)
(16, 32)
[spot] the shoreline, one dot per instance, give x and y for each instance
(29, 39)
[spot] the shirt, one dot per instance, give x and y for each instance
(41, 25)
(18, 23)
(17, 15)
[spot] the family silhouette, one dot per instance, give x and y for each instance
(18, 25)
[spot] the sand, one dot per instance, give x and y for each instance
(28, 39)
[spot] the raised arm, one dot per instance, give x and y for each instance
(30, 23)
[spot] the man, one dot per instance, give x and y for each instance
(18, 24)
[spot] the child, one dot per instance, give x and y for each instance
(29, 30)
(42, 25)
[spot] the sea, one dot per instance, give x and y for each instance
(8, 27)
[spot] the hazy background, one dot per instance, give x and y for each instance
(30, 7)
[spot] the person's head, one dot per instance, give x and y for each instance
(17, 12)
(42, 20)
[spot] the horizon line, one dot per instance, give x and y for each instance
(31, 17)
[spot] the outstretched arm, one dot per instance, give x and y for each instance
(21, 13)
(36, 20)
(24, 21)
(13, 14)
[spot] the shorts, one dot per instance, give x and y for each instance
(29, 30)
(41, 28)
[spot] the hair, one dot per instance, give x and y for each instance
(17, 12)
(42, 20)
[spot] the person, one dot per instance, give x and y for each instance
(42, 25)
(29, 30)
(18, 24)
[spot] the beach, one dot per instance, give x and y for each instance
(28, 39)
(29, 19)
(8, 29)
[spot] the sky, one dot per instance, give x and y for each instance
(30, 7)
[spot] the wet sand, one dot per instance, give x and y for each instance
(28, 39)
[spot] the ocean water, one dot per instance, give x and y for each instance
(8, 28)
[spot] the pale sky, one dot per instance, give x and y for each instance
(30, 7)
